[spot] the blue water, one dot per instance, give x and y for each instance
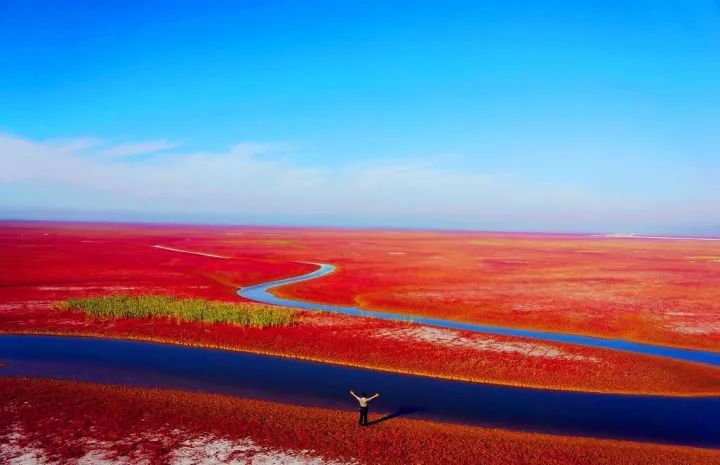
(688, 421)
(261, 293)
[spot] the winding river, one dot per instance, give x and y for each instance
(687, 421)
(262, 293)
(669, 420)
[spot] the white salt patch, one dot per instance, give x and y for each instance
(397, 253)
(12, 453)
(30, 304)
(85, 288)
(23, 456)
(318, 319)
(61, 288)
(203, 450)
(523, 307)
(635, 236)
(173, 249)
(103, 457)
(450, 338)
(688, 328)
(211, 451)
(10, 306)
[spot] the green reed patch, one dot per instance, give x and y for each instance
(206, 311)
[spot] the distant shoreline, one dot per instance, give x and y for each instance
(271, 226)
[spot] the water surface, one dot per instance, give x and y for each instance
(689, 421)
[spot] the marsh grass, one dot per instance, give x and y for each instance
(206, 311)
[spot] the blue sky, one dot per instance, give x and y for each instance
(515, 115)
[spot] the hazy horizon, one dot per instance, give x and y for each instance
(152, 220)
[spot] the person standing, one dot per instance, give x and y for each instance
(363, 400)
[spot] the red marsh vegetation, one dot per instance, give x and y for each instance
(45, 263)
(71, 422)
(658, 291)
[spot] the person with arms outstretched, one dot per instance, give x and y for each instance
(363, 400)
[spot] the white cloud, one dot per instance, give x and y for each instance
(77, 144)
(138, 148)
(264, 181)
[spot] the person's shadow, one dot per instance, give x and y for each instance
(399, 412)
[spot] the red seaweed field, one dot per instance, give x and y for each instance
(656, 291)
(45, 263)
(104, 424)
(662, 291)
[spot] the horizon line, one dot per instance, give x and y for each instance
(170, 223)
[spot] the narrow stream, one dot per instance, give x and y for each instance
(261, 293)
